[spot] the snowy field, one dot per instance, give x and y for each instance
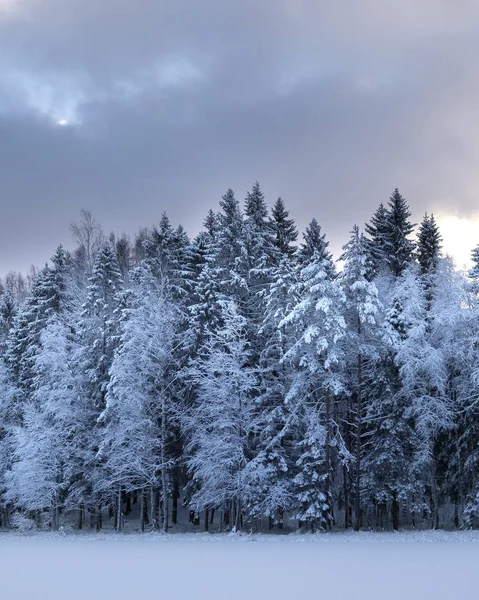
(404, 566)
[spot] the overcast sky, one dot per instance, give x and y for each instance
(328, 103)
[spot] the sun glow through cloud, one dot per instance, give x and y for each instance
(460, 235)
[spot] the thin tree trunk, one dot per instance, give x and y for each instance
(395, 513)
(164, 481)
(128, 504)
(98, 520)
(165, 513)
(328, 456)
(357, 524)
(54, 514)
(142, 511)
(435, 496)
(119, 520)
(206, 520)
(176, 495)
(346, 498)
(154, 507)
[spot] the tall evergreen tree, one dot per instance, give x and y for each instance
(315, 247)
(378, 231)
(284, 229)
(399, 248)
(318, 356)
(221, 423)
(428, 245)
(140, 407)
(362, 342)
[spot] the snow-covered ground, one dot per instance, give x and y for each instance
(372, 566)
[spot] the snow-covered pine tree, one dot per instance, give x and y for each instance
(99, 335)
(377, 230)
(315, 243)
(459, 315)
(390, 478)
(220, 424)
(50, 295)
(49, 454)
(9, 420)
(140, 403)
(284, 228)
(361, 348)
(474, 272)
(99, 322)
(429, 246)
(423, 372)
(271, 470)
(317, 355)
(399, 247)
(8, 310)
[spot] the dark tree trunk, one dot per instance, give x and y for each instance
(176, 495)
(395, 513)
(346, 498)
(155, 509)
(359, 410)
(80, 517)
(99, 519)
(329, 465)
(206, 520)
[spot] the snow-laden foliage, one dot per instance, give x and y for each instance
(243, 378)
(221, 422)
(140, 406)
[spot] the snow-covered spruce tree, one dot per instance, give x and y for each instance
(50, 295)
(99, 334)
(361, 348)
(8, 310)
(315, 243)
(140, 405)
(422, 361)
(99, 328)
(474, 272)
(168, 253)
(232, 256)
(284, 228)
(389, 233)
(260, 255)
(317, 356)
(271, 470)
(389, 466)
(460, 454)
(9, 419)
(399, 247)
(206, 290)
(377, 230)
(428, 247)
(220, 424)
(230, 221)
(310, 486)
(49, 456)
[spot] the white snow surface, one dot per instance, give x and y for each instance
(337, 566)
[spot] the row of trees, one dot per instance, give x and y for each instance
(241, 375)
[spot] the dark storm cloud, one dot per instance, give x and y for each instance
(330, 104)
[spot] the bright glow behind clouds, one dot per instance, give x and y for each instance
(460, 236)
(329, 104)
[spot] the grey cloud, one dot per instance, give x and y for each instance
(329, 104)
